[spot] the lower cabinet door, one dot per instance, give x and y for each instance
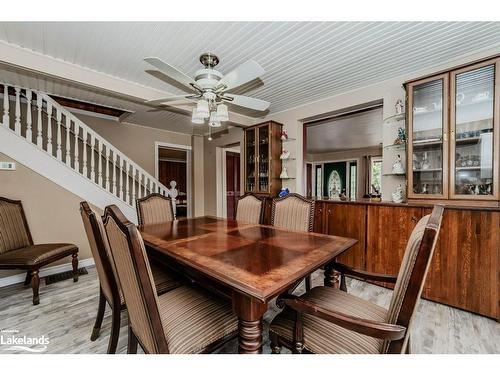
(348, 220)
(389, 229)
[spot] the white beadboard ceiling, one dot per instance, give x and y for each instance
(349, 132)
(304, 61)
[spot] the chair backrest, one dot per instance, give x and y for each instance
(249, 209)
(135, 277)
(154, 208)
(411, 276)
(14, 230)
(98, 241)
(293, 212)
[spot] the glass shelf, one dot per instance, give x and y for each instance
(396, 147)
(395, 118)
(288, 140)
(287, 178)
(395, 174)
(288, 159)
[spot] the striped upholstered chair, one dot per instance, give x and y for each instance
(110, 290)
(184, 320)
(329, 320)
(249, 209)
(17, 250)
(294, 212)
(154, 208)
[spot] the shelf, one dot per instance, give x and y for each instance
(395, 118)
(287, 159)
(468, 168)
(287, 178)
(428, 170)
(288, 140)
(394, 174)
(395, 147)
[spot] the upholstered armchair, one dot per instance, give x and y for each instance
(249, 209)
(154, 208)
(329, 320)
(17, 250)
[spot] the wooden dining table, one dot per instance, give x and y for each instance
(249, 264)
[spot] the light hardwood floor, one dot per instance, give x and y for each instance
(67, 311)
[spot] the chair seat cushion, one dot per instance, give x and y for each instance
(321, 336)
(164, 280)
(194, 319)
(36, 254)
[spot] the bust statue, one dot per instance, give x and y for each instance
(397, 196)
(397, 167)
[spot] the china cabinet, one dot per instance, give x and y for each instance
(262, 158)
(453, 141)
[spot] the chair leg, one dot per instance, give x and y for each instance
(27, 281)
(308, 283)
(408, 346)
(35, 284)
(343, 285)
(115, 330)
(74, 263)
(100, 315)
(132, 342)
(275, 346)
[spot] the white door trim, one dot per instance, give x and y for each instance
(188, 168)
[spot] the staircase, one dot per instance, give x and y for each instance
(41, 134)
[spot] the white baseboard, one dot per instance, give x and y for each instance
(19, 278)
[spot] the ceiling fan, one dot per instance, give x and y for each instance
(211, 89)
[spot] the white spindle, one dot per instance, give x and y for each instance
(99, 165)
(120, 170)
(76, 148)
(127, 181)
(114, 171)
(6, 118)
(84, 153)
(107, 166)
(92, 157)
(39, 105)
(49, 128)
(133, 185)
(29, 132)
(17, 123)
(148, 190)
(59, 140)
(68, 141)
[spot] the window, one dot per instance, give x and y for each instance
(319, 181)
(353, 185)
(376, 175)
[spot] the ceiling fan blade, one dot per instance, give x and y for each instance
(171, 72)
(247, 102)
(170, 99)
(244, 73)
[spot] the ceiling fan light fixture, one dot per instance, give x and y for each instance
(196, 118)
(222, 112)
(202, 109)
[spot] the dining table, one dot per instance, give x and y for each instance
(249, 264)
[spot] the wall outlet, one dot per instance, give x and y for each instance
(7, 166)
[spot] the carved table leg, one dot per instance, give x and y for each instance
(249, 312)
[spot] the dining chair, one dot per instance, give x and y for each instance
(294, 212)
(249, 209)
(329, 320)
(18, 251)
(154, 208)
(183, 320)
(109, 288)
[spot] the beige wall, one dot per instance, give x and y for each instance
(52, 211)
(137, 142)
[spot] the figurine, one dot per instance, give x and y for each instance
(283, 192)
(285, 155)
(284, 135)
(401, 139)
(284, 173)
(397, 167)
(425, 162)
(399, 107)
(397, 196)
(173, 193)
(342, 195)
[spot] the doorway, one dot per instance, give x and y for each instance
(232, 183)
(173, 164)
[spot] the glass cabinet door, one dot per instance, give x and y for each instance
(472, 132)
(427, 144)
(250, 160)
(263, 159)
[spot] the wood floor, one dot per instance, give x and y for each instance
(67, 311)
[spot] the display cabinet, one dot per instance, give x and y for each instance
(262, 158)
(453, 140)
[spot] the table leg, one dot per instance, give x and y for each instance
(250, 312)
(332, 277)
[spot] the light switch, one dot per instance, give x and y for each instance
(7, 166)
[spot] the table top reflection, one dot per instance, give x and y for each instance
(257, 260)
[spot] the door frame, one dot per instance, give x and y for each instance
(188, 150)
(348, 175)
(221, 199)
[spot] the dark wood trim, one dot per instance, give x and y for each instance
(363, 275)
(89, 107)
